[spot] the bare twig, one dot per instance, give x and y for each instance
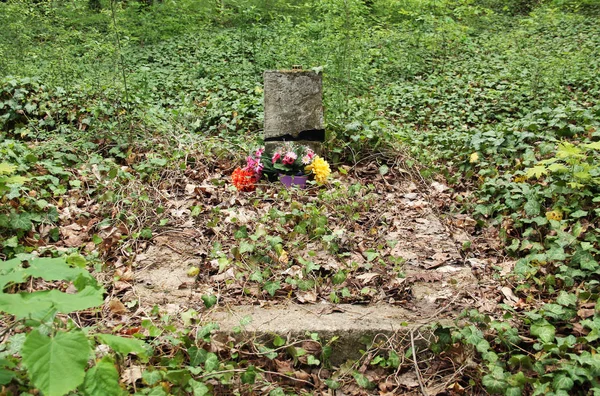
(416, 363)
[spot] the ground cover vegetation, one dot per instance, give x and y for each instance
(110, 110)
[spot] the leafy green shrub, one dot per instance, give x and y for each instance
(55, 364)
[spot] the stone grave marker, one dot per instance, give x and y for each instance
(293, 107)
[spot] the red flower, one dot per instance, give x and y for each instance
(243, 180)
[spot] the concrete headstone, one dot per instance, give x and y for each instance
(293, 106)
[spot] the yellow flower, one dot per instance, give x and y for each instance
(554, 215)
(474, 158)
(320, 168)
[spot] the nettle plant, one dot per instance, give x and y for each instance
(574, 165)
(47, 346)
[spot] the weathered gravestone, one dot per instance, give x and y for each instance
(293, 107)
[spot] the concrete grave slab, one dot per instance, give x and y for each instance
(352, 324)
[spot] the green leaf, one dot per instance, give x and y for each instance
(178, 377)
(332, 384)
(482, 346)
(593, 146)
(7, 169)
(513, 391)
(536, 171)
(554, 311)
(209, 300)
(567, 299)
(188, 317)
(52, 269)
(543, 330)
(278, 341)
(268, 352)
(557, 167)
(246, 247)
(584, 259)
(198, 388)
(102, 379)
(157, 391)
(12, 278)
(272, 287)
(205, 331)
(518, 379)
(578, 214)
(21, 221)
(371, 255)
(310, 266)
(562, 381)
(39, 304)
(249, 376)
(242, 232)
(76, 260)
(197, 356)
(256, 276)
(6, 376)
(18, 180)
(362, 381)
(393, 359)
(146, 233)
(495, 380)
(211, 363)
(123, 345)
(532, 206)
(56, 365)
(312, 361)
(152, 377)
(339, 277)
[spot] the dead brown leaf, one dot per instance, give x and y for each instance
(131, 374)
(368, 277)
(586, 312)
(117, 307)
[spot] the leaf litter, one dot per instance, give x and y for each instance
(365, 238)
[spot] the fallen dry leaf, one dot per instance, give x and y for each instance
(131, 374)
(586, 312)
(366, 278)
(511, 299)
(116, 307)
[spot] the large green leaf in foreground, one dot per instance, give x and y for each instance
(38, 305)
(56, 365)
(42, 304)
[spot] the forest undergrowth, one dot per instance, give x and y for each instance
(110, 112)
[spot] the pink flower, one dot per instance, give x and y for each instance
(306, 160)
(289, 158)
(310, 154)
(259, 152)
(276, 156)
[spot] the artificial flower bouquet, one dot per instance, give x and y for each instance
(286, 159)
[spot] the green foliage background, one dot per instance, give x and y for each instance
(515, 82)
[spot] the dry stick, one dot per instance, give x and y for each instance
(414, 353)
(288, 377)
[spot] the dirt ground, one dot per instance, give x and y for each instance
(421, 265)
